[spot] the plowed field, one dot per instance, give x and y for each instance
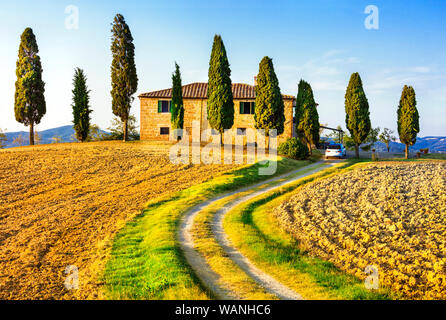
(61, 205)
(390, 215)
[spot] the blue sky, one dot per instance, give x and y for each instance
(320, 41)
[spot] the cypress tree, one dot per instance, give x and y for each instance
(299, 103)
(81, 107)
(220, 106)
(29, 104)
(357, 111)
(408, 118)
(269, 111)
(123, 71)
(177, 108)
(307, 117)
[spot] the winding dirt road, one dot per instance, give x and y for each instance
(209, 277)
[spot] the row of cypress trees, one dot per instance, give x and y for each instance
(358, 114)
(269, 111)
(29, 102)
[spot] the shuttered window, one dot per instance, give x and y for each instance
(247, 107)
(164, 106)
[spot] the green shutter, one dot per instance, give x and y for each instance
(253, 108)
(241, 107)
(170, 106)
(160, 106)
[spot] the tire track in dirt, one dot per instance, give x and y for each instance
(208, 277)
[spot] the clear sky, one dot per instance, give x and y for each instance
(321, 41)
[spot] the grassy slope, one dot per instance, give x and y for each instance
(146, 261)
(254, 230)
(231, 276)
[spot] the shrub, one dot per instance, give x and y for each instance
(294, 148)
(116, 129)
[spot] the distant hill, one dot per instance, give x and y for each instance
(66, 133)
(434, 144)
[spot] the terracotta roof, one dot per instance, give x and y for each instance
(199, 90)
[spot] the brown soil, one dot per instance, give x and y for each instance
(390, 215)
(61, 205)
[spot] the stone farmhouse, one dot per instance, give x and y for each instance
(155, 111)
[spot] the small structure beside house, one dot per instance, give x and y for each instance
(155, 111)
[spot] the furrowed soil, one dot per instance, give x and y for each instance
(61, 205)
(390, 215)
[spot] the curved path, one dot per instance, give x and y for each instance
(198, 263)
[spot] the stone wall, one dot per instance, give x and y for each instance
(195, 109)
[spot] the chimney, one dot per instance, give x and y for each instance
(255, 81)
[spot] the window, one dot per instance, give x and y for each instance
(164, 106)
(241, 131)
(164, 131)
(247, 107)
